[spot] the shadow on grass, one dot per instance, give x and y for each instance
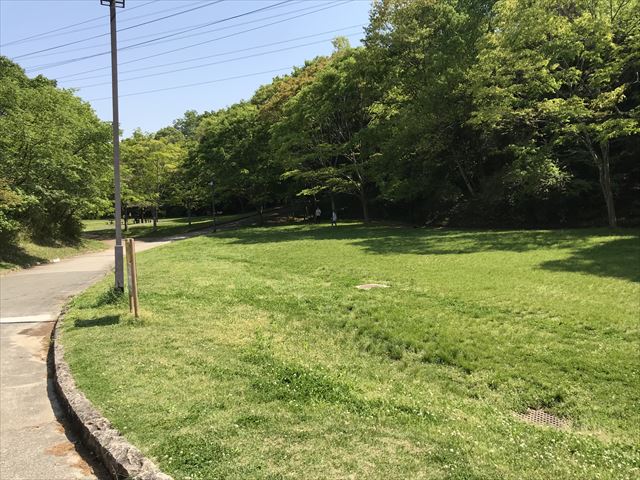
(619, 258)
(616, 255)
(146, 231)
(98, 322)
(13, 255)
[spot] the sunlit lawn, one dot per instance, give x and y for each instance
(258, 358)
(166, 226)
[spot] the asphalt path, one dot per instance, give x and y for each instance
(35, 443)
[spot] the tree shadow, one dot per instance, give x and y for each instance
(15, 255)
(98, 322)
(617, 253)
(11, 255)
(618, 258)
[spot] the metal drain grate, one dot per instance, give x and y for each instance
(540, 417)
(369, 286)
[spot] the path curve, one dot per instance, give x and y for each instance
(34, 444)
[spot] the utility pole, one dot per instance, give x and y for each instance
(119, 263)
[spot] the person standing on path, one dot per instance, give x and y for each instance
(334, 219)
(318, 213)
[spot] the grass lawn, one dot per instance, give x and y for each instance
(257, 358)
(27, 253)
(166, 226)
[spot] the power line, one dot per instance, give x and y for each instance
(73, 60)
(194, 84)
(40, 36)
(178, 30)
(56, 64)
(220, 54)
(127, 10)
(213, 63)
(121, 30)
(211, 23)
(182, 30)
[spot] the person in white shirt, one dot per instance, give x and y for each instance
(334, 219)
(318, 213)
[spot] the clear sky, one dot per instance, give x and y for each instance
(269, 50)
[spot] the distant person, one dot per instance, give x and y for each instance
(318, 213)
(334, 219)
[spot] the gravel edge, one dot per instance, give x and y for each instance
(121, 459)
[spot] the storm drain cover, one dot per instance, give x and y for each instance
(369, 286)
(540, 417)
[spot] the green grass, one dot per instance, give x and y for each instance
(166, 226)
(28, 253)
(257, 358)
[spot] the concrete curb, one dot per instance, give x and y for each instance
(121, 459)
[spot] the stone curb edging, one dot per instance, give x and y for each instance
(121, 459)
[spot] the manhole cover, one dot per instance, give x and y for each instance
(369, 286)
(540, 417)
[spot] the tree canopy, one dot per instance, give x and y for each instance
(54, 158)
(467, 112)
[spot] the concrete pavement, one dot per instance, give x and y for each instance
(34, 445)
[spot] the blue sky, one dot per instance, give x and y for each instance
(318, 21)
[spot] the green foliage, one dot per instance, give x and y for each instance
(483, 112)
(476, 112)
(55, 157)
(552, 78)
(148, 163)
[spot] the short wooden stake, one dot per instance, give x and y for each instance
(132, 276)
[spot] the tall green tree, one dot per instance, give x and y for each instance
(554, 76)
(54, 155)
(149, 161)
(423, 50)
(233, 150)
(322, 133)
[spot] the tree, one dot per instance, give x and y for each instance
(148, 163)
(233, 149)
(422, 51)
(55, 155)
(554, 76)
(322, 132)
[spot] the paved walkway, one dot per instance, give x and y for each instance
(34, 445)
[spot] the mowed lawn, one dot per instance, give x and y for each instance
(257, 358)
(102, 228)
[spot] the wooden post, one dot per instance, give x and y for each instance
(132, 276)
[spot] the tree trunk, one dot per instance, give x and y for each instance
(189, 215)
(333, 202)
(261, 212)
(126, 218)
(602, 162)
(464, 177)
(365, 207)
(605, 183)
(155, 218)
